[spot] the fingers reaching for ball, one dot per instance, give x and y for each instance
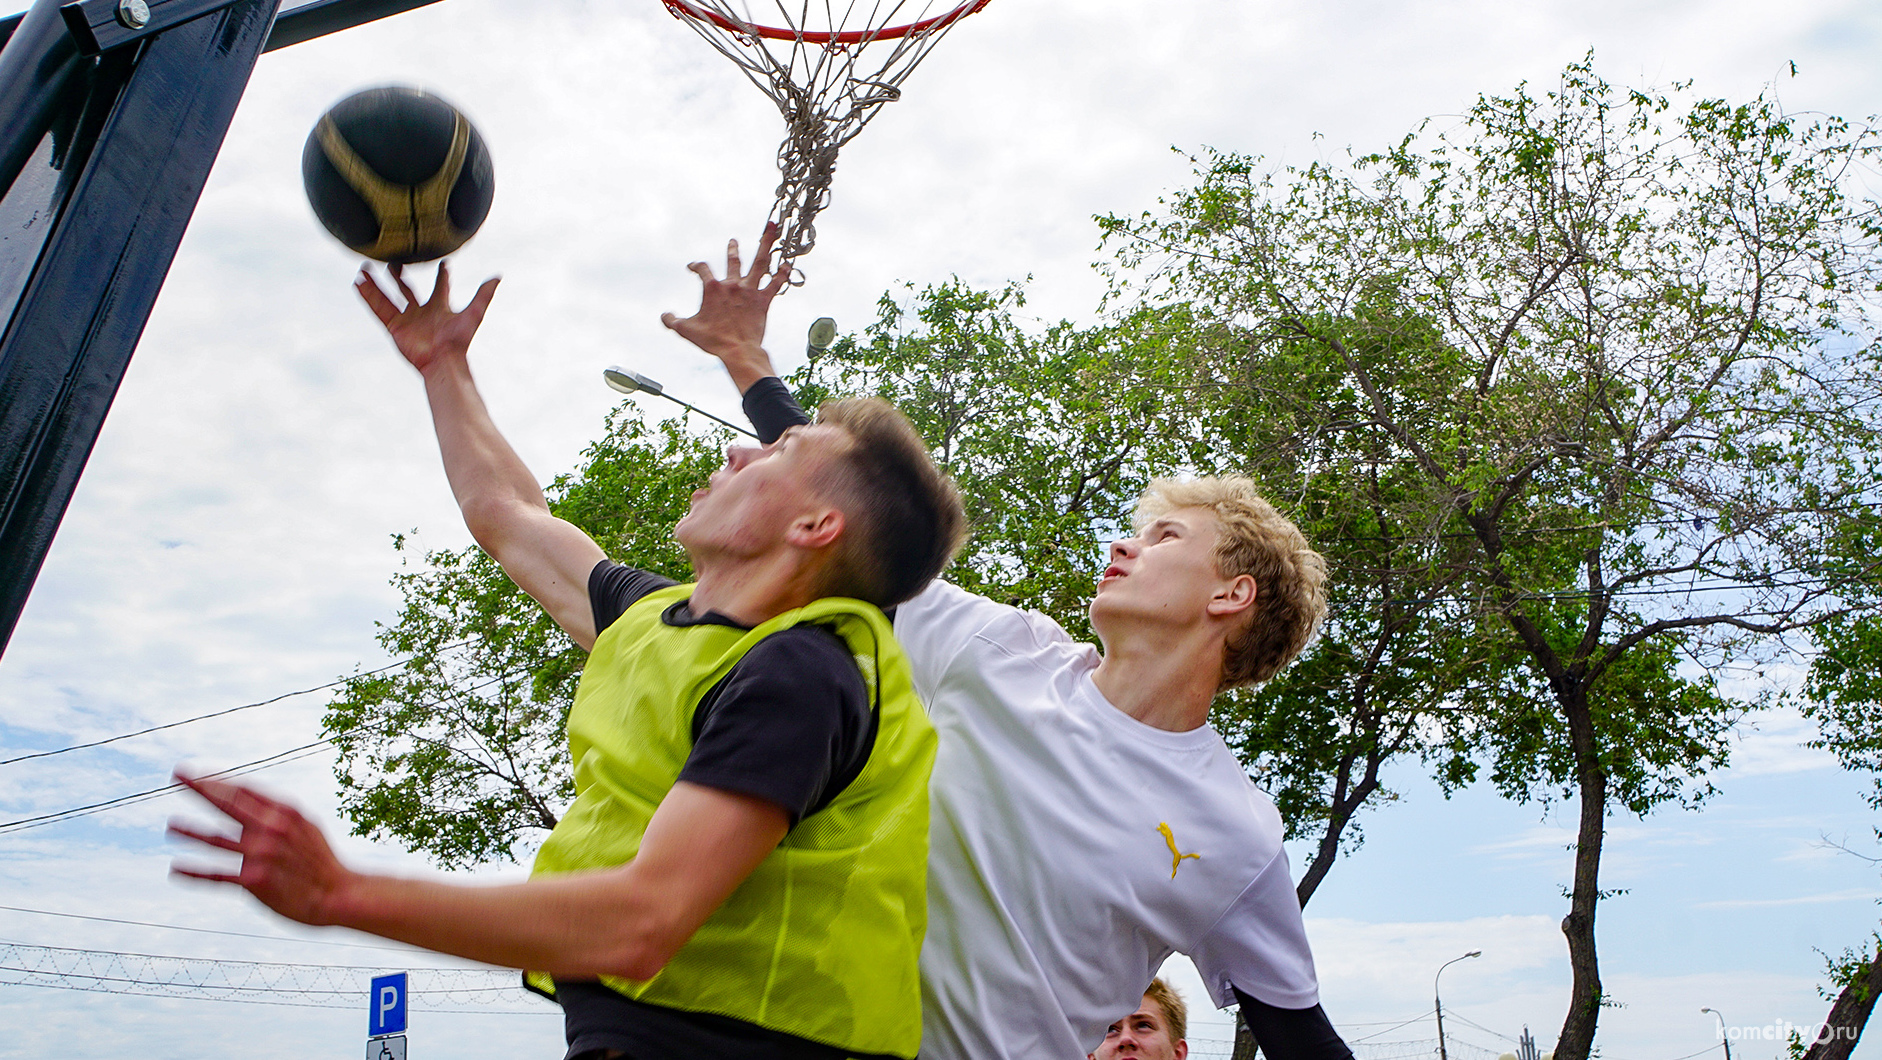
(427, 332)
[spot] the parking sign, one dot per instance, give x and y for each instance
(386, 1007)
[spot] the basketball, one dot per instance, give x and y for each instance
(398, 175)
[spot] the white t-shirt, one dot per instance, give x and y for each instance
(1074, 848)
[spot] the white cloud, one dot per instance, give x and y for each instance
(1773, 742)
(1802, 899)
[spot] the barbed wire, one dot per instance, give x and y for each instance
(1422, 1049)
(448, 990)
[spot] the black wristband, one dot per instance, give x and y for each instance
(771, 408)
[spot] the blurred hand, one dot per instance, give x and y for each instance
(286, 862)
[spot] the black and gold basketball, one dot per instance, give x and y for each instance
(398, 175)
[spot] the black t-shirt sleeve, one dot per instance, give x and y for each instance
(771, 408)
(791, 724)
(614, 587)
(1292, 1033)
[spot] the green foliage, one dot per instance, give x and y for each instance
(1661, 733)
(1842, 692)
(1375, 685)
(1052, 434)
(460, 754)
(1846, 970)
(1605, 352)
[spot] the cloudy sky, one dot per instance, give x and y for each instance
(230, 541)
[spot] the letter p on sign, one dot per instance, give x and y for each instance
(386, 1013)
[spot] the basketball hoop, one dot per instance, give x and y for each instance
(827, 76)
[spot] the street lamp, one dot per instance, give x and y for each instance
(822, 336)
(1723, 1039)
(1438, 1000)
(629, 382)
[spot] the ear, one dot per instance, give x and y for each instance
(1235, 597)
(1182, 1048)
(816, 529)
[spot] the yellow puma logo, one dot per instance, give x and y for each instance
(1176, 856)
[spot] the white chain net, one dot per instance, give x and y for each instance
(829, 71)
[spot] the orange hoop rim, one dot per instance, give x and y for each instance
(688, 9)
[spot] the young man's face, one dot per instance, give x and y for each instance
(750, 505)
(1166, 574)
(1144, 1034)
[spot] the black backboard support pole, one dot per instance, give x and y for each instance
(112, 152)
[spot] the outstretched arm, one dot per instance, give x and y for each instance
(627, 921)
(501, 501)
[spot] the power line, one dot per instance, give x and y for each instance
(1607, 594)
(293, 754)
(1392, 1028)
(207, 931)
(1470, 1023)
(217, 713)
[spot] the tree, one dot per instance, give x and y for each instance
(1857, 973)
(1840, 693)
(460, 753)
(1378, 682)
(1650, 371)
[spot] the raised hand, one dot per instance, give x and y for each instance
(426, 331)
(730, 324)
(286, 862)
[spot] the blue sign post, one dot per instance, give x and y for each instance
(387, 1015)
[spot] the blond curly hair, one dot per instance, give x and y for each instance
(1254, 539)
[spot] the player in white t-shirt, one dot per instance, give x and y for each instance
(1086, 821)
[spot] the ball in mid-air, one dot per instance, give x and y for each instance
(398, 175)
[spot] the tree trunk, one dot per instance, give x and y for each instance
(1840, 1032)
(1338, 814)
(1584, 1005)
(1245, 1048)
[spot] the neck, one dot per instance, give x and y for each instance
(752, 591)
(1166, 681)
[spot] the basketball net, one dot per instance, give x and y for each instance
(829, 67)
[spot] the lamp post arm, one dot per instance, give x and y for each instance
(1437, 999)
(708, 415)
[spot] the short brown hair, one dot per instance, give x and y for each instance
(1254, 539)
(904, 516)
(1175, 1013)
